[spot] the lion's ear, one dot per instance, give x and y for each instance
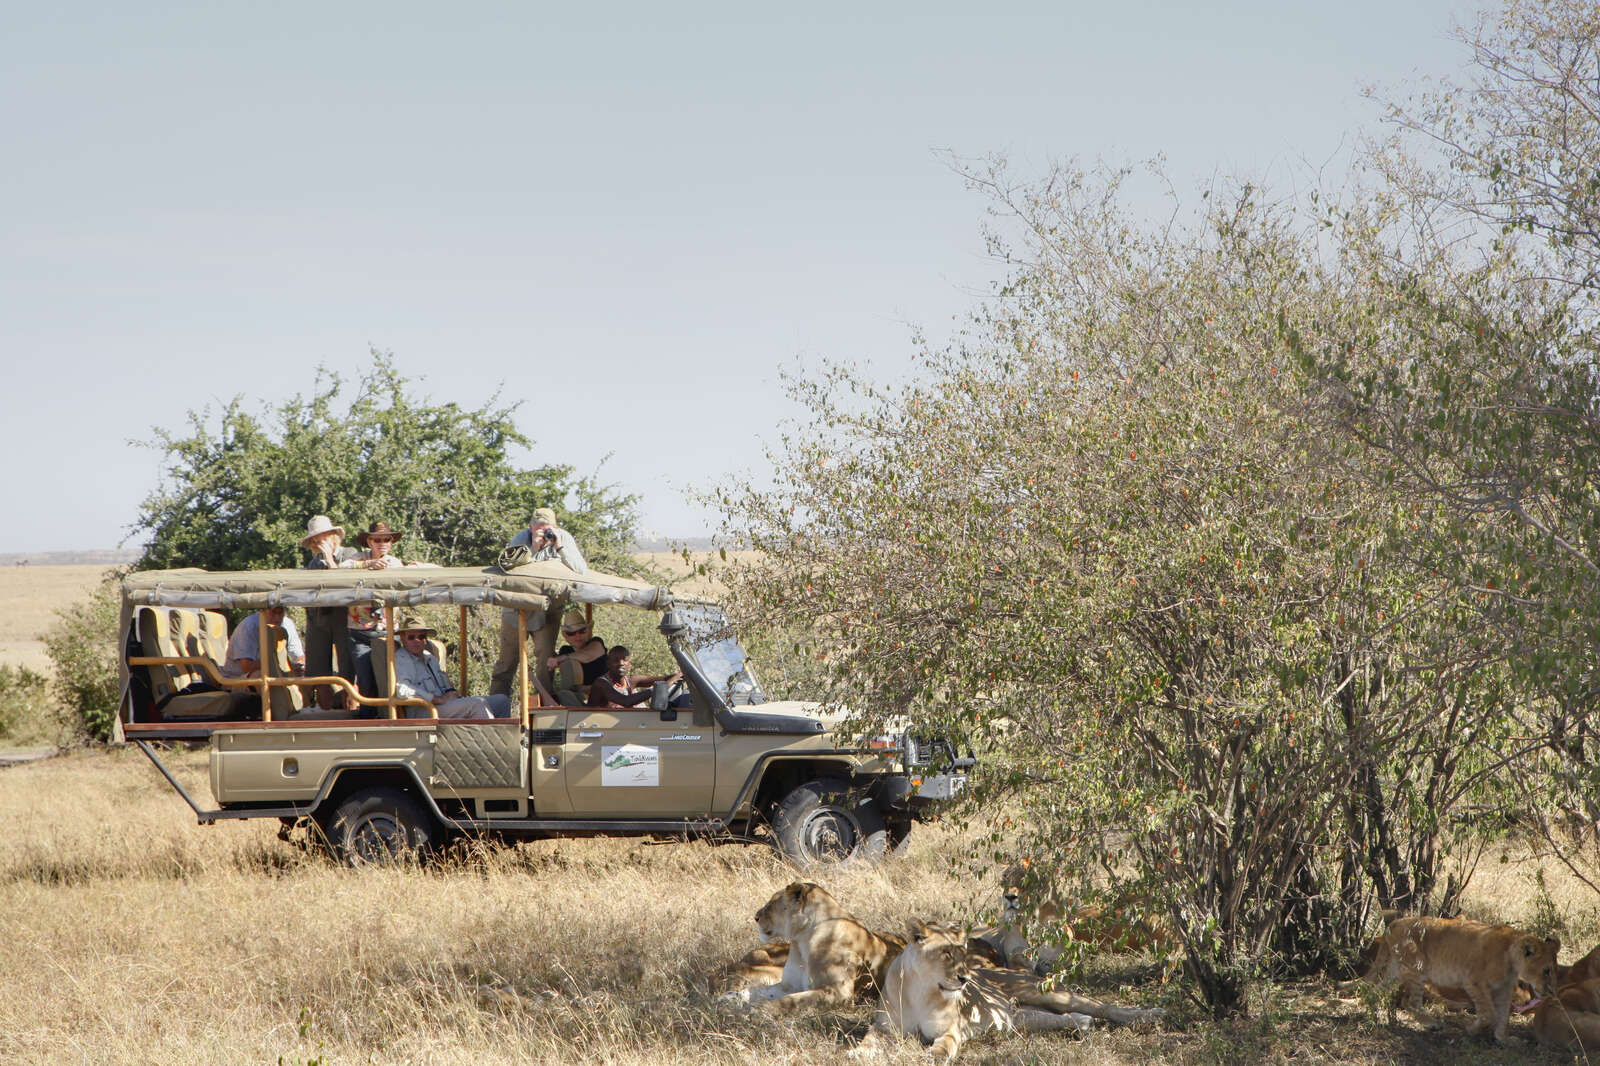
(918, 930)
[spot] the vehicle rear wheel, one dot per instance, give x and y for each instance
(381, 826)
(825, 821)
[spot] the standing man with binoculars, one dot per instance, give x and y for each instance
(542, 540)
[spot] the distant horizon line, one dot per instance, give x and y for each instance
(118, 556)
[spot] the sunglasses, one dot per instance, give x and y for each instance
(575, 632)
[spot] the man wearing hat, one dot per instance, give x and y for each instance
(326, 627)
(544, 540)
(417, 673)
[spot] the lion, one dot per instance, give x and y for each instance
(1571, 1018)
(1485, 961)
(1102, 927)
(1583, 970)
(829, 956)
(936, 990)
(759, 967)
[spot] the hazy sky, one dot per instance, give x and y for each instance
(628, 217)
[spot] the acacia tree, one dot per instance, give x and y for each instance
(1100, 539)
(1471, 374)
(237, 493)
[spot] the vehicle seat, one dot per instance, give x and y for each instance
(287, 699)
(176, 632)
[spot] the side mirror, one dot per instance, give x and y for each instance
(660, 700)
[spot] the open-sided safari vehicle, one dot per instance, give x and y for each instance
(721, 762)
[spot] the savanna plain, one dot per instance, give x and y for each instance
(134, 935)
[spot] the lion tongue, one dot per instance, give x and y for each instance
(1528, 1006)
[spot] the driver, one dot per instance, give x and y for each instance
(615, 688)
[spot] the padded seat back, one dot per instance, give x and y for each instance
(286, 699)
(173, 633)
(177, 632)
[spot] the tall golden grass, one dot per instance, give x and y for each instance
(134, 935)
(29, 599)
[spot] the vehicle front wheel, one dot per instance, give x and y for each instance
(381, 826)
(825, 821)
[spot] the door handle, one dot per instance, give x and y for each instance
(585, 734)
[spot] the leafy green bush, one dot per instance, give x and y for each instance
(83, 649)
(27, 711)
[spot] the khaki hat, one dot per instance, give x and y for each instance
(573, 620)
(412, 623)
(319, 524)
(547, 515)
(379, 529)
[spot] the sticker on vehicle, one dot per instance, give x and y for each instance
(630, 765)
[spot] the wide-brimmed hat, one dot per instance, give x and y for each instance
(573, 620)
(547, 515)
(378, 529)
(411, 623)
(319, 524)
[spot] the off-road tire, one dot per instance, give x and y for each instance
(381, 827)
(824, 822)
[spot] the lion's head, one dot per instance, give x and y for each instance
(793, 908)
(1018, 883)
(1536, 962)
(938, 953)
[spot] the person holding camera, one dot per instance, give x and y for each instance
(542, 540)
(545, 540)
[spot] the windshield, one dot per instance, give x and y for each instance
(720, 654)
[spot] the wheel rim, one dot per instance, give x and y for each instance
(377, 837)
(830, 835)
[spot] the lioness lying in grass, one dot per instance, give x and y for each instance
(829, 955)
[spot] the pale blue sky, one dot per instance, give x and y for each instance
(630, 215)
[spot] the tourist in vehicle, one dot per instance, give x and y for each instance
(244, 651)
(377, 547)
(541, 540)
(578, 664)
(418, 674)
(327, 627)
(364, 624)
(615, 688)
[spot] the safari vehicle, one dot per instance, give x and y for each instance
(380, 788)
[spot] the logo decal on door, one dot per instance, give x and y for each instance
(630, 766)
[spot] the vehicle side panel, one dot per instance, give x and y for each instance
(290, 765)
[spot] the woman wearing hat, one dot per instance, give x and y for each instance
(326, 626)
(578, 664)
(377, 542)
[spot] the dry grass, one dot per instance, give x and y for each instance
(682, 575)
(135, 935)
(29, 599)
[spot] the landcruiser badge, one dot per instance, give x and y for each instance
(683, 736)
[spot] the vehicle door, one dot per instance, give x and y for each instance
(635, 763)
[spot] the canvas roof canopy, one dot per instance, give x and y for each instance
(531, 587)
